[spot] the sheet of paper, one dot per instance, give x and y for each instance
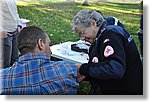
(63, 51)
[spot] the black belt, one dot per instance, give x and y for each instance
(14, 33)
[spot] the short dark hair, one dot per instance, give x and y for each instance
(28, 38)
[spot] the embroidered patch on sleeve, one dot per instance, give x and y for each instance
(108, 51)
(95, 60)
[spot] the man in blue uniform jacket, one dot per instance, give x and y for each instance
(114, 67)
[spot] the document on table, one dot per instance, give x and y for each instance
(63, 51)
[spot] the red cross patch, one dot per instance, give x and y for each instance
(108, 51)
(95, 60)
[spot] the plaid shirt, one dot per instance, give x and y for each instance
(36, 74)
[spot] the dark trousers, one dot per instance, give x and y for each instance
(10, 50)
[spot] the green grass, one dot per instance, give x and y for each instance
(55, 18)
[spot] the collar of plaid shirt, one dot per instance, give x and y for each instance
(36, 74)
(31, 56)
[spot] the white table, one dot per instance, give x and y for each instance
(63, 51)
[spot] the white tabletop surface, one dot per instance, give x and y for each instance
(63, 51)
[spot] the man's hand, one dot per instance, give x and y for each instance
(19, 28)
(79, 76)
(4, 34)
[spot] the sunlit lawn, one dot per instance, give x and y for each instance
(55, 17)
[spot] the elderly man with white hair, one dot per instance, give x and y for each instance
(114, 67)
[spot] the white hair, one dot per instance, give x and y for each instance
(83, 18)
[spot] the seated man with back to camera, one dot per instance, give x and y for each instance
(34, 72)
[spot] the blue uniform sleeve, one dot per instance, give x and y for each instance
(114, 21)
(113, 64)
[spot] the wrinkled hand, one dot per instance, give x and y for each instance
(4, 34)
(79, 76)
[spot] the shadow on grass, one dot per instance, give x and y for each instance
(55, 17)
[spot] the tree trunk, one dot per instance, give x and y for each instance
(85, 2)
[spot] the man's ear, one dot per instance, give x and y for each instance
(40, 44)
(93, 23)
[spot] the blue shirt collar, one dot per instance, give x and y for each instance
(30, 56)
